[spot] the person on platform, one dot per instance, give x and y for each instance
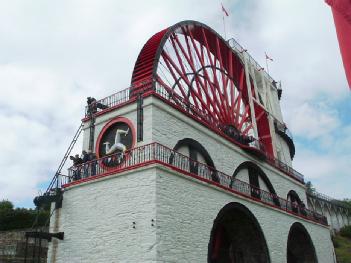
(295, 206)
(77, 161)
(86, 164)
(93, 163)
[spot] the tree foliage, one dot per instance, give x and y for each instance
(18, 218)
(347, 202)
(346, 231)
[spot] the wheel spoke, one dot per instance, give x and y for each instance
(196, 68)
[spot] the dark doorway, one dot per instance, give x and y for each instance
(300, 247)
(237, 237)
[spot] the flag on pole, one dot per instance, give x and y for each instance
(342, 19)
(224, 11)
(267, 57)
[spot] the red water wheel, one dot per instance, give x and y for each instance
(196, 67)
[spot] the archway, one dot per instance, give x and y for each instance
(295, 202)
(252, 174)
(237, 237)
(318, 208)
(300, 248)
(327, 214)
(334, 220)
(196, 152)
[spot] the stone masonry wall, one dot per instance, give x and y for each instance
(169, 126)
(186, 209)
(108, 220)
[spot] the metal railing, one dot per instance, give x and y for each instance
(283, 128)
(202, 116)
(239, 49)
(111, 101)
(197, 113)
(178, 102)
(118, 98)
(286, 169)
(328, 199)
(157, 153)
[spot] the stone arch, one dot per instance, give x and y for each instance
(334, 220)
(300, 248)
(236, 236)
(256, 177)
(345, 217)
(311, 203)
(339, 217)
(327, 213)
(293, 196)
(295, 201)
(318, 208)
(196, 152)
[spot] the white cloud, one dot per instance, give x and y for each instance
(329, 172)
(313, 121)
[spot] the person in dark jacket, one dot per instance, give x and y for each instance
(77, 161)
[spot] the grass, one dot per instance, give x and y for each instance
(342, 247)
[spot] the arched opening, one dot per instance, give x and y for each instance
(300, 248)
(334, 220)
(338, 211)
(327, 214)
(196, 152)
(318, 208)
(251, 173)
(296, 202)
(237, 237)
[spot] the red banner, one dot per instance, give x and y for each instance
(342, 19)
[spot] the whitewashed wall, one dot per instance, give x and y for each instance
(169, 126)
(186, 210)
(97, 219)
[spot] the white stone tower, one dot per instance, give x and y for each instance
(193, 164)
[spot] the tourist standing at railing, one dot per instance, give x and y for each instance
(93, 163)
(295, 206)
(85, 158)
(94, 105)
(303, 209)
(77, 161)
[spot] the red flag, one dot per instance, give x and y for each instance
(225, 11)
(267, 57)
(342, 18)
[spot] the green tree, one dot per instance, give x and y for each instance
(18, 218)
(5, 205)
(347, 202)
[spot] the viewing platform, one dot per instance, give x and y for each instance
(125, 97)
(156, 153)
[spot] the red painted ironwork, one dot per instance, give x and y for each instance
(193, 62)
(156, 153)
(162, 91)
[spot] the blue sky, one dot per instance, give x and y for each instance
(55, 54)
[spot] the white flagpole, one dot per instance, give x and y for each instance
(225, 33)
(267, 65)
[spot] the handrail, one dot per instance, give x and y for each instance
(158, 153)
(110, 101)
(283, 128)
(125, 96)
(326, 198)
(239, 49)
